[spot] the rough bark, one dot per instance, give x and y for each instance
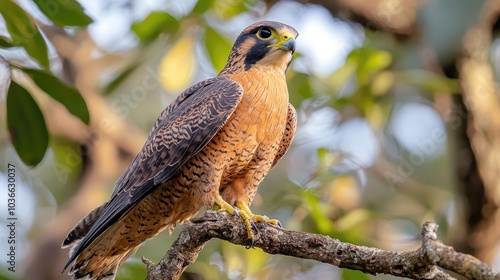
(476, 121)
(426, 262)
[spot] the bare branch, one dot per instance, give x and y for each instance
(424, 263)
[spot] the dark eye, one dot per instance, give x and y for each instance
(265, 33)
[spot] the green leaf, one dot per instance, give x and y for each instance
(26, 125)
(154, 24)
(5, 42)
(24, 32)
(202, 6)
(339, 79)
(134, 267)
(229, 9)
(119, 79)
(323, 223)
(218, 48)
(427, 80)
(348, 274)
(299, 87)
(67, 95)
(368, 61)
(64, 12)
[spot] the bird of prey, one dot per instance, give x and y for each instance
(213, 145)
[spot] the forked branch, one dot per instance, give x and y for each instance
(428, 262)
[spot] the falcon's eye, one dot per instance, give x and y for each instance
(264, 33)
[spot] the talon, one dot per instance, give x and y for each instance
(249, 218)
(254, 227)
(237, 213)
(251, 245)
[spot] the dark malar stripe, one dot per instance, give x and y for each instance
(256, 53)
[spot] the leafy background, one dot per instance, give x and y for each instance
(378, 151)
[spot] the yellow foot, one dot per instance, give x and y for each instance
(247, 216)
(224, 206)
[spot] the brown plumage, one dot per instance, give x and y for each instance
(213, 145)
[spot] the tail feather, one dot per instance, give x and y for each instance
(76, 235)
(108, 274)
(103, 269)
(101, 259)
(82, 227)
(82, 270)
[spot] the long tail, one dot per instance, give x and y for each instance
(110, 249)
(82, 228)
(86, 267)
(101, 259)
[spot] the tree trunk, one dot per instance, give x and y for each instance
(482, 134)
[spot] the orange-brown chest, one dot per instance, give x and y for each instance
(251, 137)
(261, 114)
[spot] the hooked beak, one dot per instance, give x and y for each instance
(285, 42)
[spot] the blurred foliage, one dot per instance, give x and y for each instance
(67, 95)
(154, 24)
(176, 68)
(32, 141)
(217, 47)
(382, 203)
(28, 134)
(24, 32)
(64, 13)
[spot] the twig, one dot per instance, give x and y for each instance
(424, 263)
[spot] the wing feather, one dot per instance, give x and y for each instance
(184, 128)
(286, 141)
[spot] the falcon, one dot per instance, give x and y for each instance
(212, 146)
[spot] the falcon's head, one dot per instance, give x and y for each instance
(264, 43)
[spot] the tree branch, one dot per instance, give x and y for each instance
(424, 263)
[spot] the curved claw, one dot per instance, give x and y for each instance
(252, 243)
(242, 212)
(254, 227)
(237, 213)
(250, 219)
